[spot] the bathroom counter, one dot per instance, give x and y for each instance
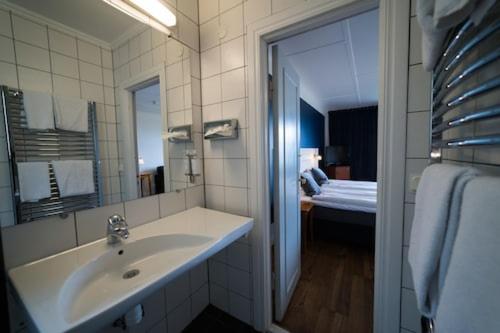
(89, 286)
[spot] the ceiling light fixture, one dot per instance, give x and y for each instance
(151, 12)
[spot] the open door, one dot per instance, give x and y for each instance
(286, 114)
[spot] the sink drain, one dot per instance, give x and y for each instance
(130, 274)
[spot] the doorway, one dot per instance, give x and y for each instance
(322, 176)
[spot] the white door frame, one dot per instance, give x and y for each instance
(127, 123)
(393, 80)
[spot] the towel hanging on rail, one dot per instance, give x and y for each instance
(71, 114)
(38, 107)
(74, 177)
(437, 17)
(34, 181)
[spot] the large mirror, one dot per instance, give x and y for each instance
(98, 107)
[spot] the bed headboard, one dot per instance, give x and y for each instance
(308, 158)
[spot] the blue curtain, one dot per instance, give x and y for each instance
(356, 129)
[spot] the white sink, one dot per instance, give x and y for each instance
(87, 287)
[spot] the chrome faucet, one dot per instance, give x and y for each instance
(117, 229)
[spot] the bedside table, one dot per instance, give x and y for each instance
(306, 222)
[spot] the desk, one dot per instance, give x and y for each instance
(306, 223)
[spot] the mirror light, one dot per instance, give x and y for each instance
(160, 18)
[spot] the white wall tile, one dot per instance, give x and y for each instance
(214, 172)
(408, 220)
(174, 75)
(238, 256)
(239, 282)
(64, 86)
(232, 54)
(208, 10)
(195, 197)
(179, 318)
(107, 77)
(209, 34)
(233, 84)
(92, 92)
(29, 32)
(154, 309)
(160, 327)
(256, 9)
(218, 273)
(236, 201)
(62, 43)
(91, 224)
(7, 50)
(280, 5)
(8, 74)
(175, 99)
(172, 203)
(236, 148)
(5, 27)
(410, 317)
(419, 89)
(27, 242)
(189, 8)
(89, 52)
(215, 197)
(107, 59)
(231, 23)
(142, 210)
(240, 308)
(32, 79)
(210, 62)
(417, 135)
(199, 301)
(90, 73)
(64, 65)
(211, 90)
(188, 32)
(415, 42)
(145, 41)
(31, 56)
(219, 297)
(177, 291)
(198, 276)
(235, 172)
(407, 279)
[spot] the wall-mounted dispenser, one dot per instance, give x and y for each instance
(179, 134)
(221, 129)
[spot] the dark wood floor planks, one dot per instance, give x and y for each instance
(335, 291)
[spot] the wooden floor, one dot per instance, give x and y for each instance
(335, 291)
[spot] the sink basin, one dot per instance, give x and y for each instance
(123, 269)
(88, 287)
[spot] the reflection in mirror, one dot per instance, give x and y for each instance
(148, 129)
(85, 51)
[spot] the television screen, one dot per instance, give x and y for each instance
(336, 155)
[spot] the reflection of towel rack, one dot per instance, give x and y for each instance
(25, 145)
(466, 75)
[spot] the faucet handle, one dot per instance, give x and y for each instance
(117, 219)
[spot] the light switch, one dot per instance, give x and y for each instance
(414, 181)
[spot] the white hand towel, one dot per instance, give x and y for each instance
(71, 114)
(437, 17)
(74, 177)
(34, 181)
(437, 207)
(469, 300)
(39, 110)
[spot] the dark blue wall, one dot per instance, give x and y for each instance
(312, 127)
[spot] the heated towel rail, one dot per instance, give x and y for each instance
(465, 104)
(466, 89)
(27, 145)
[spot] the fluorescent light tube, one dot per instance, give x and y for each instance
(138, 15)
(158, 10)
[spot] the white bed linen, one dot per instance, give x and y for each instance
(346, 195)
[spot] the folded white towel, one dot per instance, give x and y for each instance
(39, 110)
(469, 300)
(71, 114)
(437, 17)
(34, 181)
(437, 208)
(74, 177)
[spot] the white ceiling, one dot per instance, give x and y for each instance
(92, 17)
(338, 63)
(148, 99)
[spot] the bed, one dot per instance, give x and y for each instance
(345, 201)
